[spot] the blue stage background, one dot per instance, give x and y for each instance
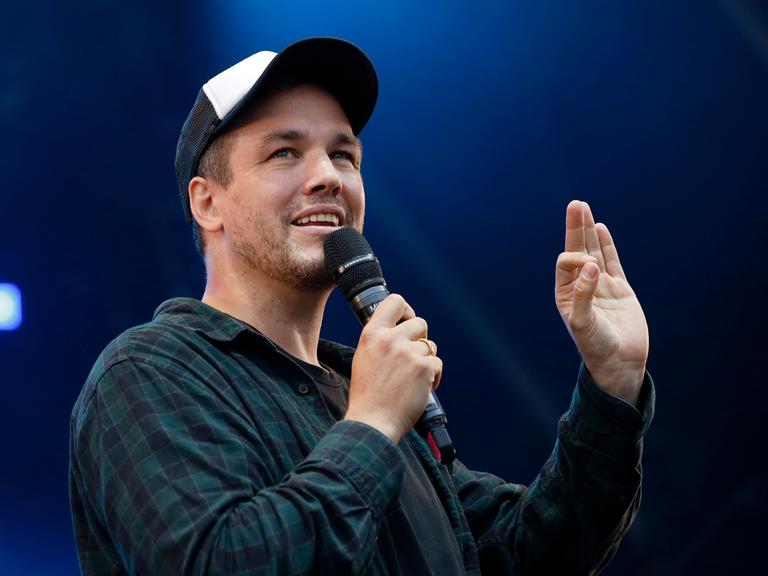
(491, 117)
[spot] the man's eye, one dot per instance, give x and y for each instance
(282, 153)
(341, 154)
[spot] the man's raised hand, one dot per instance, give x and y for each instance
(599, 307)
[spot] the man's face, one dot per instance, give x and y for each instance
(295, 168)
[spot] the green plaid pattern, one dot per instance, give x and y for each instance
(200, 447)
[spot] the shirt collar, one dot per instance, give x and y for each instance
(216, 325)
(200, 317)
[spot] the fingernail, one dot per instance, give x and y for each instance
(589, 272)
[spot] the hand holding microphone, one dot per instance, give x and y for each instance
(393, 371)
(395, 366)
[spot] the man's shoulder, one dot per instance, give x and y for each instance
(174, 323)
(179, 330)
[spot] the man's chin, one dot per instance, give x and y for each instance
(309, 272)
(299, 265)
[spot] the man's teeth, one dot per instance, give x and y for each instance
(332, 218)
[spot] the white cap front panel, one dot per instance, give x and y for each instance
(227, 88)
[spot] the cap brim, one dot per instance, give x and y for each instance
(335, 65)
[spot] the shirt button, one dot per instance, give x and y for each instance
(303, 388)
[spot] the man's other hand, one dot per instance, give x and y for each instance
(599, 307)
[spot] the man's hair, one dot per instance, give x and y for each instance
(214, 166)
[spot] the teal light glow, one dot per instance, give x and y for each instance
(10, 307)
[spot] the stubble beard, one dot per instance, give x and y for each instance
(277, 258)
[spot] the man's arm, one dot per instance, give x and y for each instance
(183, 485)
(185, 481)
(571, 518)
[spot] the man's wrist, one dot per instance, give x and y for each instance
(378, 422)
(624, 383)
(595, 411)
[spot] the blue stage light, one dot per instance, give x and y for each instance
(10, 307)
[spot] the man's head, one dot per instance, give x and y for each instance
(336, 66)
(294, 177)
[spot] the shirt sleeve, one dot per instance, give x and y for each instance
(571, 518)
(166, 471)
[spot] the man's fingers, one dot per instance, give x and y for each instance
(438, 372)
(574, 227)
(424, 347)
(582, 314)
(611, 255)
(411, 329)
(568, 265)
(590, 236)
(392, 310)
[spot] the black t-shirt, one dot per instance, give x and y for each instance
(416, 536)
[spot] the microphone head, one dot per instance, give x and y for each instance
(349, 258)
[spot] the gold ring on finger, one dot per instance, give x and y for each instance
(431, 347)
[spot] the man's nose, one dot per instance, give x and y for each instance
(323, 177)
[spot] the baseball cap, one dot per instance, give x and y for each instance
(334, 64)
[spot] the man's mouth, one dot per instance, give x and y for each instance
(322, 219)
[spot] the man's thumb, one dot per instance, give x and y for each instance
(583, 293)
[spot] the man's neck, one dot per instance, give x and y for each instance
(291, 318)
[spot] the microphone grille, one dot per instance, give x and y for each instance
(342, 246)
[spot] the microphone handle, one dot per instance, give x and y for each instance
(432, 422)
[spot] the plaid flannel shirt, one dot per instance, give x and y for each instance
(200, 447)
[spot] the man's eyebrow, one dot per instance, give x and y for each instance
(338, 139)
(342, 139)
(283, 136)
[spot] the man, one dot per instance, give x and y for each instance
(225, 438)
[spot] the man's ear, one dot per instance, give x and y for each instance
(202, 203)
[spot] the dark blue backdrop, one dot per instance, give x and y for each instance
(492, 115)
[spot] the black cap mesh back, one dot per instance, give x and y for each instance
(344, 245)
(193, 139)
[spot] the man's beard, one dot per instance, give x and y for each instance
(279, 259)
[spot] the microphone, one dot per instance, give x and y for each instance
(357, 273)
